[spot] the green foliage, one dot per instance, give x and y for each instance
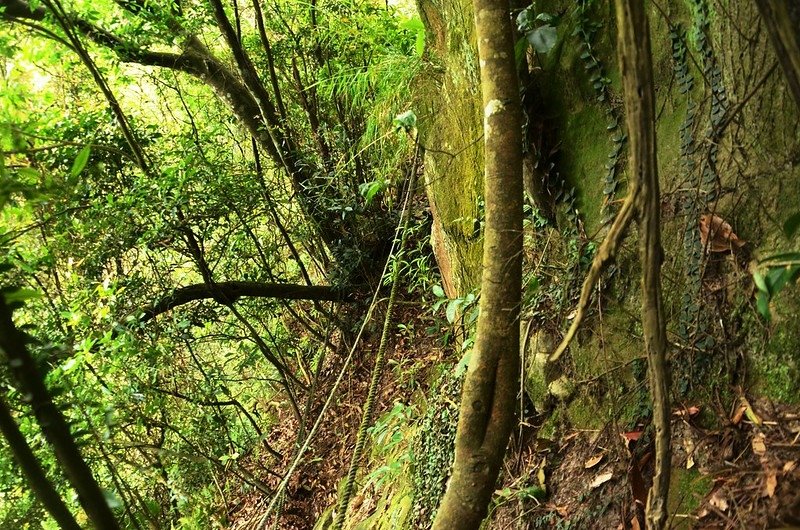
(433, 447)
(539, 29)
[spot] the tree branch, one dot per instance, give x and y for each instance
(228, 292)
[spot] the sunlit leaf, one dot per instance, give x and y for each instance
(80, 161)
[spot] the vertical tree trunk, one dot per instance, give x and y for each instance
(488, 399)
(37, 479)
(637, 82)
(783, 25)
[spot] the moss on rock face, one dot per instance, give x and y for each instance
(451, 127)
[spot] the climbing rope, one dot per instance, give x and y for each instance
(380, 363)
(261, 524)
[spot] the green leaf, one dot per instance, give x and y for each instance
(80, 161)
(438, 292)
(791, 225)
(462, 365)
(758, 278)
(762, 304)
(405, 121)
(783, 256)
(452, 308)
(20, 295)
(543, 38)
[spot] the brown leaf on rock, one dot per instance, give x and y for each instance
(589, 464)
(601, 479)
(716, 235)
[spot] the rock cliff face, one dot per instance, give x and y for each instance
(728, 141)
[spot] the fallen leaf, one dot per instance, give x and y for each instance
(718, 501)
(750, 413)
(758, 444)
(688, 446)
(601, 479)
(789, 466)
(542, 476)
(770, 483)
(629, 438)
(589, 464)
(687, 412)
(737, 416)
(635, 523)
(632, 436)
(720, 234)
(636, 481)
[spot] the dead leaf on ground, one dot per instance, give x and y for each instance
(770, 483)
(750, 412)
(630, 437)
(759, 444)
(688, 445)
(722, 237)
(738, 415)
(789, 466)
(687, 412)
(601, 479)
(635, 523)
(718, 501)
(589, 464)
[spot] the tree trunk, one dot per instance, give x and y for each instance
(782, 18)
(488, 399)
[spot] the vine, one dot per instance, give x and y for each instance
(693, 327)
(586, 30)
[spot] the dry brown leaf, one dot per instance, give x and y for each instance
(687, 412)
(688, 445)
(718, 501)
(635, 523)
(789, 466)
(770, 483)
(722, 237)
(738, 415)
(759, 444)
(589, 464)
(601, 479)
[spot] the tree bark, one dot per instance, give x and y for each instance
(33, 472)
(637, 83)
(53, 424)
(782, 18)
(228, 292)
(488, 398)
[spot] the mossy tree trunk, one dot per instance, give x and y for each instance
(488, 397)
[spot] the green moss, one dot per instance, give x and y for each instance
(584, 412)
(776, 370)
(687, 489)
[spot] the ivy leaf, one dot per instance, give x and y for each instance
(543, 38)
(80, 161)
